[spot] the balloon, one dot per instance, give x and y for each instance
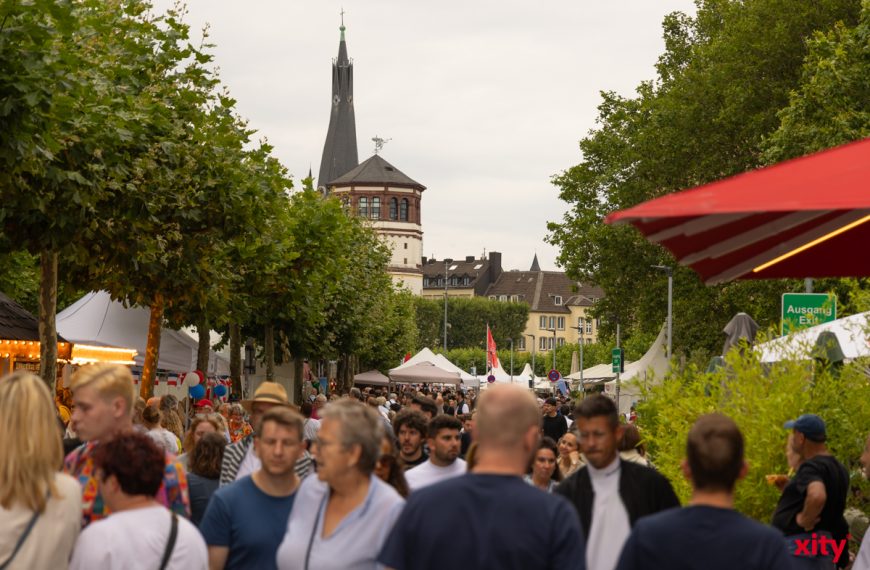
(191, 379)
(197, 392)
(220, 390)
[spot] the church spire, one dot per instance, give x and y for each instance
(339, 152)
(535, 266)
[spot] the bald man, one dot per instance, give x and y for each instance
(514, 524)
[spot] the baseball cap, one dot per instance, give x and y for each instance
(811, 425)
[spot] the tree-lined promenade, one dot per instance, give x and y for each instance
(125, 166)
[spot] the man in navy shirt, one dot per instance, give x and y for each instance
(506, 523)
(245, 521)
(708, 534)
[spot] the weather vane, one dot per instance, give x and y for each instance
(379, 143)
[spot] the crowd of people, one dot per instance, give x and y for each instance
(371, 479)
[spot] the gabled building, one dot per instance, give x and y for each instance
(559, 308)
(466, 277)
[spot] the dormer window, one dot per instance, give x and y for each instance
(557, 300)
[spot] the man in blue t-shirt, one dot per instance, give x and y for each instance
(245, 521)
(506, 523)
(708, 534)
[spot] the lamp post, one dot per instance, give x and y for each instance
(670, 273)
(579, 330)
(533, 354)
(510, 340)
(447, 262)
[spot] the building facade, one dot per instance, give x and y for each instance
(559, 308)
(465, 277)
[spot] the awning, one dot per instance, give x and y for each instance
(422, 373)
(807, 217)
(372, 378)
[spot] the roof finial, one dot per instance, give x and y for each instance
(342, 28)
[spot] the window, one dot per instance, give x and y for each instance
(560, 323)
(557, 300)
(376, 208)
(466, 280)
(502, 297)
(589, 326)
(550, 343)
(405, 261)
(406, 245)
(515, 298)
(561, 341)
(403, 210)
(552, 323)
(363, 207)
(521, 343)
(394, 208)
(542, 345)
(580, 323)
(492, 297)
(542, 323)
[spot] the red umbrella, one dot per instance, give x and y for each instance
(807, 217)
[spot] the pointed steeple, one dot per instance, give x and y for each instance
(535, 266)
(339, 152)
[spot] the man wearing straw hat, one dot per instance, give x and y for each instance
(239, 458)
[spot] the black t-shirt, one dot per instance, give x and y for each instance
(828, 470)
(555, 427)
(703, 538)
(423, 458)
(482, 522)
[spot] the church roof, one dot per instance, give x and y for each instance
(339, 150)
(376, 171)
(535, 265)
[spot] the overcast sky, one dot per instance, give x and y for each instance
(484, 100)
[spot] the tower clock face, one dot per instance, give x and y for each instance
(335, 100)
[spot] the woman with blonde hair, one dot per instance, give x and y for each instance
(200, 426)
(162, 437)
(38, 504)
(169, 415)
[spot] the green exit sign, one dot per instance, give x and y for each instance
(804, 310)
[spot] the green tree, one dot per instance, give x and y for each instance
(467, 319)
(722, 81)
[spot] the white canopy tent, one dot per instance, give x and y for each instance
(372, 378)
(424, 372)
(96, 319)
(853, 334)
(439, 360)
(652, 366)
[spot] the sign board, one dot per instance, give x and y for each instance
(490, 378)
(804, 310)
(617, 360)
(554, 375)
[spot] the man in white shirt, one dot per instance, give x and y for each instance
(444, 462)
(140, 532)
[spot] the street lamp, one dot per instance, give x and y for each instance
(447, 262)
(533, 354)
(579, 330)
(554, 346)
(670, 273)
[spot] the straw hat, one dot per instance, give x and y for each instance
(269, 392)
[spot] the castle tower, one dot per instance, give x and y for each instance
(381, 193)
(339, 151)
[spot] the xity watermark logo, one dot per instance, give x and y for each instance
(816, 545)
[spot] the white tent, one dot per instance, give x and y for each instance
(502, 377)
(96, 319)
(853, 334)
(650, 367)
(439, 360)
(424, 372)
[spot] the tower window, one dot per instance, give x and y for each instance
(394, 209)
(363, 207)
(376, 208)
(406, 245)
(403, 210)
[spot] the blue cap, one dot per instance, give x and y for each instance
(811, 425)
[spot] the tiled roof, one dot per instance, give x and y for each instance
(540, 288)
(16, 323)
(376, 171)
(459, 268)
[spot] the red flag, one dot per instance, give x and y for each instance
(491, 351)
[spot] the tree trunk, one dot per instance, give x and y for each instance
(204, 347)
(236, 357)
(269, 346)
(298, 368)
(47, 314)
(152, 349)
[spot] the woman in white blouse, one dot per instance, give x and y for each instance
(164, 438)
(342, 516)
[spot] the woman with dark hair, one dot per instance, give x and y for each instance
(543, 473)
(151, 418)
(388, 468)
(204, 474)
